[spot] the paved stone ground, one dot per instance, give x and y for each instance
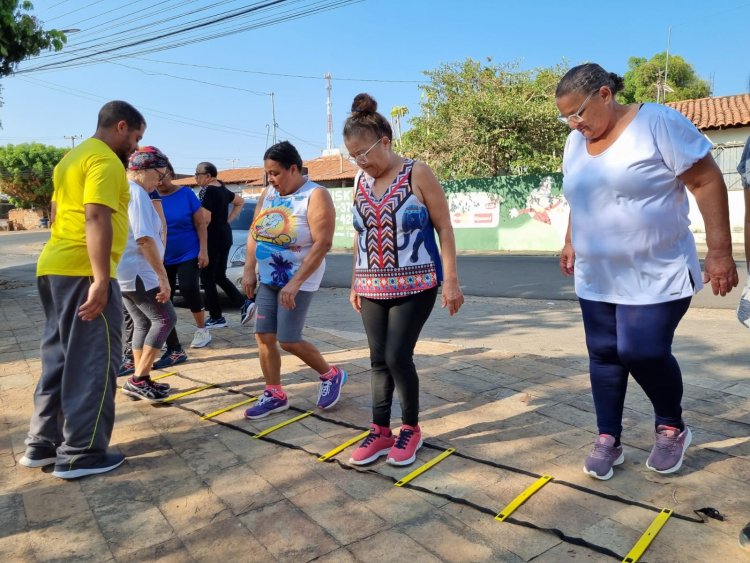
(506, 381)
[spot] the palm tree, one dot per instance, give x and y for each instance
(397, 112)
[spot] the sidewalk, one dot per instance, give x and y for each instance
(504, 381)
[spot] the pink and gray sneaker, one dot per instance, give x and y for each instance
(329, 390)
(267, 404)
(603, 457)
(669, 449)
(377, 443)
(404, 451)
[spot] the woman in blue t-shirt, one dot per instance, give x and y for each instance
(185, 255)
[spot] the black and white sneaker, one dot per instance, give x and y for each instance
(145, 389)
(219, 322)
(37, 457)
(88, 466)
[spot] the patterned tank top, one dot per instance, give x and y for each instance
(283, 239)
(396, 250)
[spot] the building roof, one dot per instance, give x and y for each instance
(322, 169)
(715, 113)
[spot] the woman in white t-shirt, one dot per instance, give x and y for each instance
(625, 170)
(142, 277)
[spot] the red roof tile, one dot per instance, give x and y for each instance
(324, 168)
(712, 113)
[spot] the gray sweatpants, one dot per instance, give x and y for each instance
(74, 401)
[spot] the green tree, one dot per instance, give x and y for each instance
(22, 36)
(480, 120)
(26, 173)
(645, 80)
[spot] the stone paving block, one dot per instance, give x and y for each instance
(171, 551)
(521, 542)
(341, 555)
(12, 515)
(568, 552)
(288, 471)
(336, 511)
(76, 538)
(52, 499)
(131, 525)
(241, 489)
(208, 456)
(16, 548)
(451, 540)
(288, 533)
(391, 546)
(225, 541)
(191, 507)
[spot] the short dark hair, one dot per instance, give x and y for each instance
(207, 168)
(588, 78)
(285, 154)
(365, 119)
(115, 111)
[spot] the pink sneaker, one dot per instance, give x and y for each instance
(377, 443)
(404, 451)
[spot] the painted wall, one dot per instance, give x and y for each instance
(510, 213)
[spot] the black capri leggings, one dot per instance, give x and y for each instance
(393, 327)
(189, 275)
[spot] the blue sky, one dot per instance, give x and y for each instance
(376, 42)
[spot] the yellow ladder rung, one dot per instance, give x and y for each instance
(229, 408)
(188, 392)
(648, 536)
(274, 428)
(523, 497)
(158, 377)
(343, 446)
(419, 470)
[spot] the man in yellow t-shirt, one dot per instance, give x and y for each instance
(74, 402)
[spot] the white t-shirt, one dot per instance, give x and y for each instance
(143, 222)
(629, 211)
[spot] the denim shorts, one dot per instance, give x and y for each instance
(271, 317)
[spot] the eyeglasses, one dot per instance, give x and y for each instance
(162, 175)
(200, 174)
(361, 159)
(576, 117)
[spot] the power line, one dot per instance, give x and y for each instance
(81, 60)
(76, 10)
(282, 75)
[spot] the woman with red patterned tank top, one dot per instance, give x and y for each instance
(398, 206)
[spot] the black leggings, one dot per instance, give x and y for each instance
(216, 274)
(189, 275)
(393, 327)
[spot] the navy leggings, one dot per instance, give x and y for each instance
(634, 339)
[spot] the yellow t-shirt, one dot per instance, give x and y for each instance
(89, 173)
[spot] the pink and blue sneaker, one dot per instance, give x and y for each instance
(267, 404)
(329, 390)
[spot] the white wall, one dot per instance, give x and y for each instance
(725, 136)
(736, 213)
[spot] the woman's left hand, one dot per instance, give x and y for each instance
(287, 295)
(721, 271)
(202, 259)
(452, 297)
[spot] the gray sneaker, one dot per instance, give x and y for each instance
(603, 457)
(669, 449)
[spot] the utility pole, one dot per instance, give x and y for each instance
(666, 63)
(329, 114)
(72, 139)
(232, 161)
(273, 117)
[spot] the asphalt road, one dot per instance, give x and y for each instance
(491, 275)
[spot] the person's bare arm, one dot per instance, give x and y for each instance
(568, 255)
(147, 246)
(237, 203)
(99, 246)
(321, 216)
(437, 206)
(201, 227)
(706, 183)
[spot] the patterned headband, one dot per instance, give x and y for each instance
(146, 158)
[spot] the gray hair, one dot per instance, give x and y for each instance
(587, 78)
